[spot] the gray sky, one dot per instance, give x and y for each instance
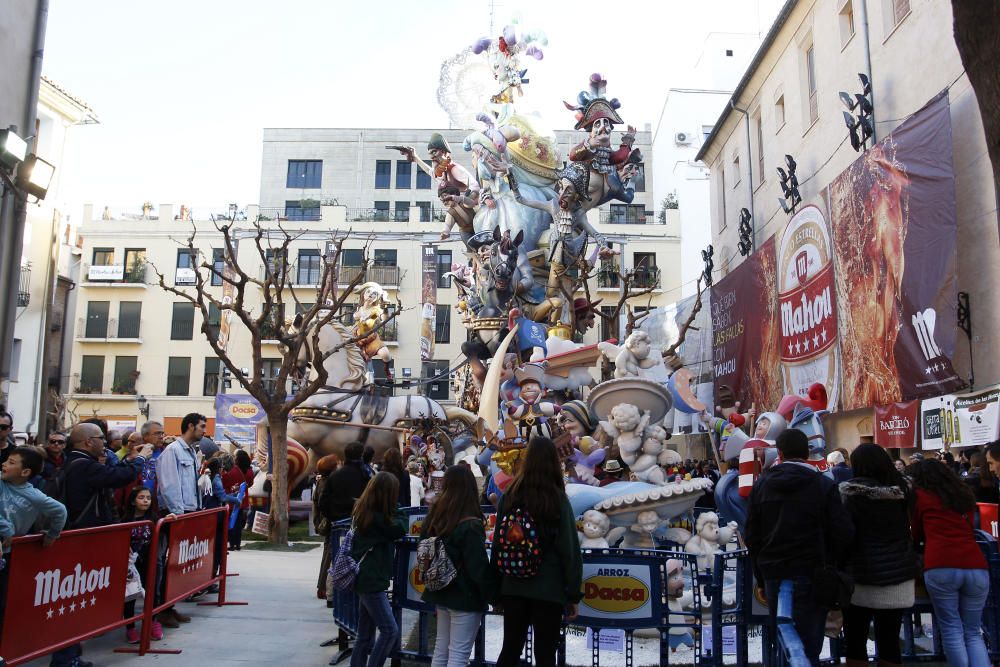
(184, 88)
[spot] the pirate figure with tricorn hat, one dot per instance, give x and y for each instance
(611, 172)
(456, 188)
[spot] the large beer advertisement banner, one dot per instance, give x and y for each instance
(744, 307)
(894, 235)
(808, 340)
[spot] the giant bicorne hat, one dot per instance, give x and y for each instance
(592, 104)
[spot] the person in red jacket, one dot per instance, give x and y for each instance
(955, 570)
(240, 473)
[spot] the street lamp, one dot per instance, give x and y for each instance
(143, 405)
(860, 128)
(12, 148)
(34, 176)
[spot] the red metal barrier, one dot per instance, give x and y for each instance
(988, 519)
(71, 591)
(190, 554)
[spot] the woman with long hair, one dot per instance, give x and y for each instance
(553, 592)
(377, 524)
(882, 559)
(457, 520)
(392, 462)
(955, 570)
(325, 467)
(240, 473)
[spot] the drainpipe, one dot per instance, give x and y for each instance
(753, 218)
(868, 60)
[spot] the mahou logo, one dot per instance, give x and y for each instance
(54, 585)
(807, 301)
(189, 550)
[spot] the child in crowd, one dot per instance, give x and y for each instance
(378, 523)
(217, 498)
(22, 506)
(140, 508)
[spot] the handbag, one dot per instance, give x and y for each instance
(133, 582)
(344, 569)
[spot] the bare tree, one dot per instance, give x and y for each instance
(977, 36)
(265, 320)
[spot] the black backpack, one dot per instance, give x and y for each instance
(56, 488)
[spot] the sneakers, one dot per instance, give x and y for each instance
(156, 631)
(132, 635)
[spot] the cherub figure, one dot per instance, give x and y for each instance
(597, 531)
(636, 358)
(709, 539)
(625, 425)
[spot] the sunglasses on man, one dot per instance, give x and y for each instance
(4, 427)
(56, 441)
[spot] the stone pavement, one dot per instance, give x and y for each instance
(284, 623)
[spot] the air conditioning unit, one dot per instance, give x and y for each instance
(682, 139)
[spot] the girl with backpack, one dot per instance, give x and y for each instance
(377, 525)
(456, 521)
(537, 551)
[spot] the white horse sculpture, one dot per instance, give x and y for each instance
(348, 409)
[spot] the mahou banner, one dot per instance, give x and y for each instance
(807, 303)
(894, 234)
(64, 591)
(896, 425)
(190, 553)
(745, 353)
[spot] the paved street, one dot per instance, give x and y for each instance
(285, 623)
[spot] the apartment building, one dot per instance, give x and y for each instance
(791, 98)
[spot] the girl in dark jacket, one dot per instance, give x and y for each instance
(377, 525)
(541, 601)
(456, 518)
(392, 463)
(882, 559)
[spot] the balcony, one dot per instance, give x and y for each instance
(108, 331)
(117, 275)
(386, 276)
(632, 217)
(642, 278)
(24, 287)
(369, 215)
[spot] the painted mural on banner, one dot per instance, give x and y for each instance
(236, 419)
(744, 312)
(960, 420)
(807, 303)
(896, 425)
(64, 591)
(428, 299)
(663, 326)
(894, 234)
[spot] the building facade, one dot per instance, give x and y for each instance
(816, 49)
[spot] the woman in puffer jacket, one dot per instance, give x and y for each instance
(882, 561)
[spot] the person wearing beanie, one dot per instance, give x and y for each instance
(838, 467)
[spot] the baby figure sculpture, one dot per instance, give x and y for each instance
(626, 425)
(709, 539)
(597, 531)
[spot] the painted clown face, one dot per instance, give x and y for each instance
(600, 132)
(530, 391)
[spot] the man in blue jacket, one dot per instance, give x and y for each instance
(88, 481)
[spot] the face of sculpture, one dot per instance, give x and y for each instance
(675, 578)
(763, 425)
(568, 196)
(600, 132)
(571, 425)
(585, 320)
(438, 156)
(530, 391)
(639, 347)
(370, 296)
(710, 530)
(648, 521)
(595, 524)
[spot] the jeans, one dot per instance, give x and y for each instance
(456, 637)
(809, 619)
(545, 619)
(887, 623)
(958, 597)
(374, 612)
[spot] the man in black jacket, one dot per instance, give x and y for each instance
(796, 524)
(345, 486)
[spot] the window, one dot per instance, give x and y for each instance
(609, 326)
(896, 10)
(646, 274)
(271, 327)
(443, 267)
(706, 132)
(277, 261)
(759, 127)
(404, 174)
(383, 172)
(310, 267)
(218, 265)
(425, 211)
(135, 265)
(304, 307)
(182, 324)
(722, 199)
(442, 324)
(402, 211)
(185, 272)
(846, 19)
(729, 53)
(644, 260)
(97, 319)
(125, 374)
(811, 84)
(640, 177)
(381, 211)
(438, 389)
(302, 209)
(736, 169)
(104, 257)
(352, 257)
(423, 180)
(779, 113)
(269, 370)
(210, 381)
(347, 314)
(385, 257)
(129, 317)
(92, 374)
(178, 376)
(627, 214)
(305, 174)
(214, 320)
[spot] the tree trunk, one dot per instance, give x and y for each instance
(977, 36)
(278, 423)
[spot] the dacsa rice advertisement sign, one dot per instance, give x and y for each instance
(617, 592)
